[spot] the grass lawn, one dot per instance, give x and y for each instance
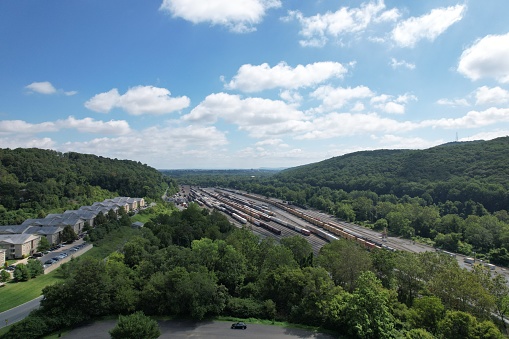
(112, 242)
(14, 294)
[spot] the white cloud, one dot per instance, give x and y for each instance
(408, 32)
(23, 142)
(8, 127)
(238, 16)
(89, 125)
(138, 100)
(398, 142)
(389, 104)
(338, 97)
(44, 87)
(487, 58)
(316, 29)
(472, 119)
(495, 95)
(401, 63)
(393, 108)
(103, 102)
(335, 125)
(261, 118)
(453, 102)
(86, 125)
(272, 142)
(290, 96)
(249, 111)
(250, 78)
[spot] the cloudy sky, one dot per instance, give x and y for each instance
(250, 83)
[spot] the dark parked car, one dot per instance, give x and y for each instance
(49, 262)
(239, 326)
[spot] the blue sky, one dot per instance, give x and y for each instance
(250, 83)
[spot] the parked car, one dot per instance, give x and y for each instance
(239, 326)
(48, 262)
(38, 255)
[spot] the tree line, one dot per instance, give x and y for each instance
(195, 264)
(34, 182)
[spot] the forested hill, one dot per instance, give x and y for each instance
(35, 179)
(457, 171)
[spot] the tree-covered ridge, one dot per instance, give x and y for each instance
(32, 180)
(463, 171)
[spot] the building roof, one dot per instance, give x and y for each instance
(13, 229)
(17, 239)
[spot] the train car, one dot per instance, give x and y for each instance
(270, 228)
(239, 218)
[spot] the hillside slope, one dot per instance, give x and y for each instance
(36, 179)
(477, 171)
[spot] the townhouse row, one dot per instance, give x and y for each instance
(19, 241)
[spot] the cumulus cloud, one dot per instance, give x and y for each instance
(238, 16)
(259, 117)
(338, 97)
(8, 127)
(487, 58)
(23, 142)
(138, 100)
(472, 119)
(496, 95)
(86, 125)
(271, 142)
(429, 26)
(290, 96)
(401, 63)
(251, 78)
(389, 104)
(347, 124)
(44, 87)
(89, 125)
(317, 29)
(234, 109)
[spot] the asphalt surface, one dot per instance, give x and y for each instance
(207, 329)
(16, 314)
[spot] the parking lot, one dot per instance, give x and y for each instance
(60, 252)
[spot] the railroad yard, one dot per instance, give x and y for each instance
(275, 218)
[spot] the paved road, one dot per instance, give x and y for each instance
(16, 314)
(205, 329)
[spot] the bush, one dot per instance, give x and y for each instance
(250, 308)
(134, 326)
(21, 273)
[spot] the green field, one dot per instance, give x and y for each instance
(14, 294)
